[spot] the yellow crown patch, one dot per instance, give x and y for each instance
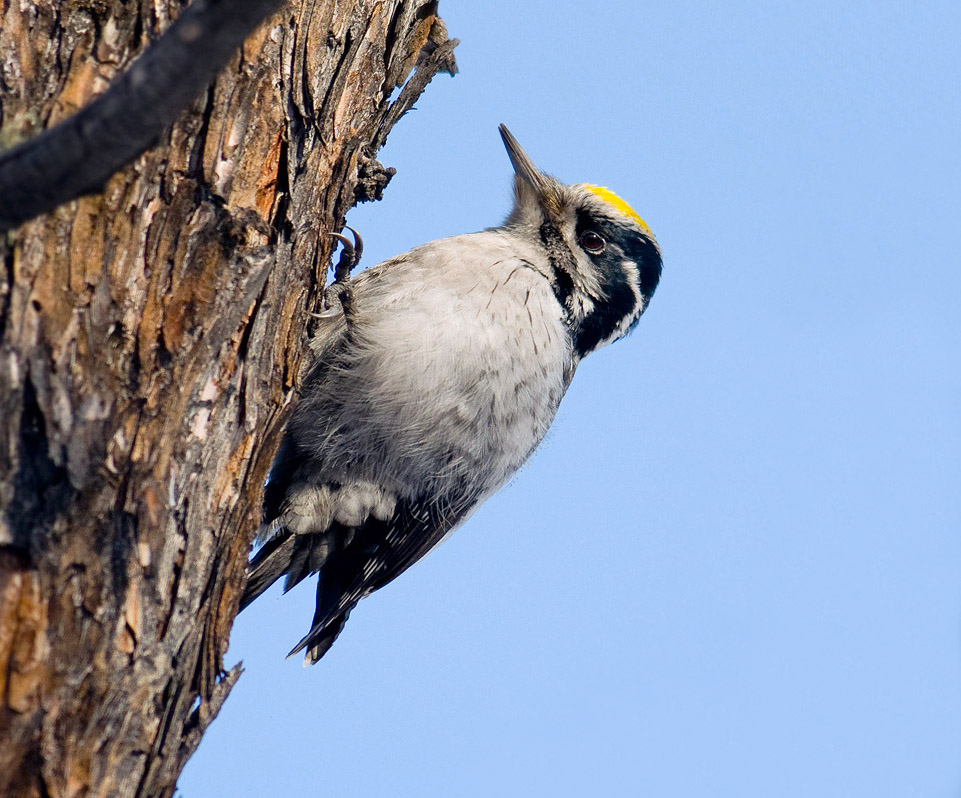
(618, 205)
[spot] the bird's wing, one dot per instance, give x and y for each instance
(377, 553)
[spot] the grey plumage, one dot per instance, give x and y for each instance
(438, 383)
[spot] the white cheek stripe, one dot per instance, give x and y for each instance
(634, 281)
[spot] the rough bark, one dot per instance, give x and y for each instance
(78, 155)
(150, 340)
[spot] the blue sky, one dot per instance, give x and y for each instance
(734, 567)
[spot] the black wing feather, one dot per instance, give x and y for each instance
(378, 553)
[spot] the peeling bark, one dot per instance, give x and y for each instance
(150, 340)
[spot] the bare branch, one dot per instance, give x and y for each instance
(77, 156)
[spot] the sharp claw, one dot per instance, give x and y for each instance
(349, 256)
(348, 246)
(358, 244)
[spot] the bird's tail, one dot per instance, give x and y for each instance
(320, 638)
(330, 615)
(267, 566)
(296, 556)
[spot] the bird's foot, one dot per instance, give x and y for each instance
(350, 255)
(339, 289)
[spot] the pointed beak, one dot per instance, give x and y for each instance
(523, 166)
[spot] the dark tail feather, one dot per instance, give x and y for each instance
(320, 638)
(307, 557)
(297, 556)
(330, 615)
(271, 562)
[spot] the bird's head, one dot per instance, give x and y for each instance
(604, 259)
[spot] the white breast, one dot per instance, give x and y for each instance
(457, 361)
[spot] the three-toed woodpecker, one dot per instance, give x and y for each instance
(435, 378)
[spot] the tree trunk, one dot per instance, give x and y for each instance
(150, 340)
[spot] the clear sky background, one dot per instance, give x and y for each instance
(734, 567)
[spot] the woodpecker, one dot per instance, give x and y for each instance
(434, 376)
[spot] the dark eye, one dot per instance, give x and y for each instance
(592, 242)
